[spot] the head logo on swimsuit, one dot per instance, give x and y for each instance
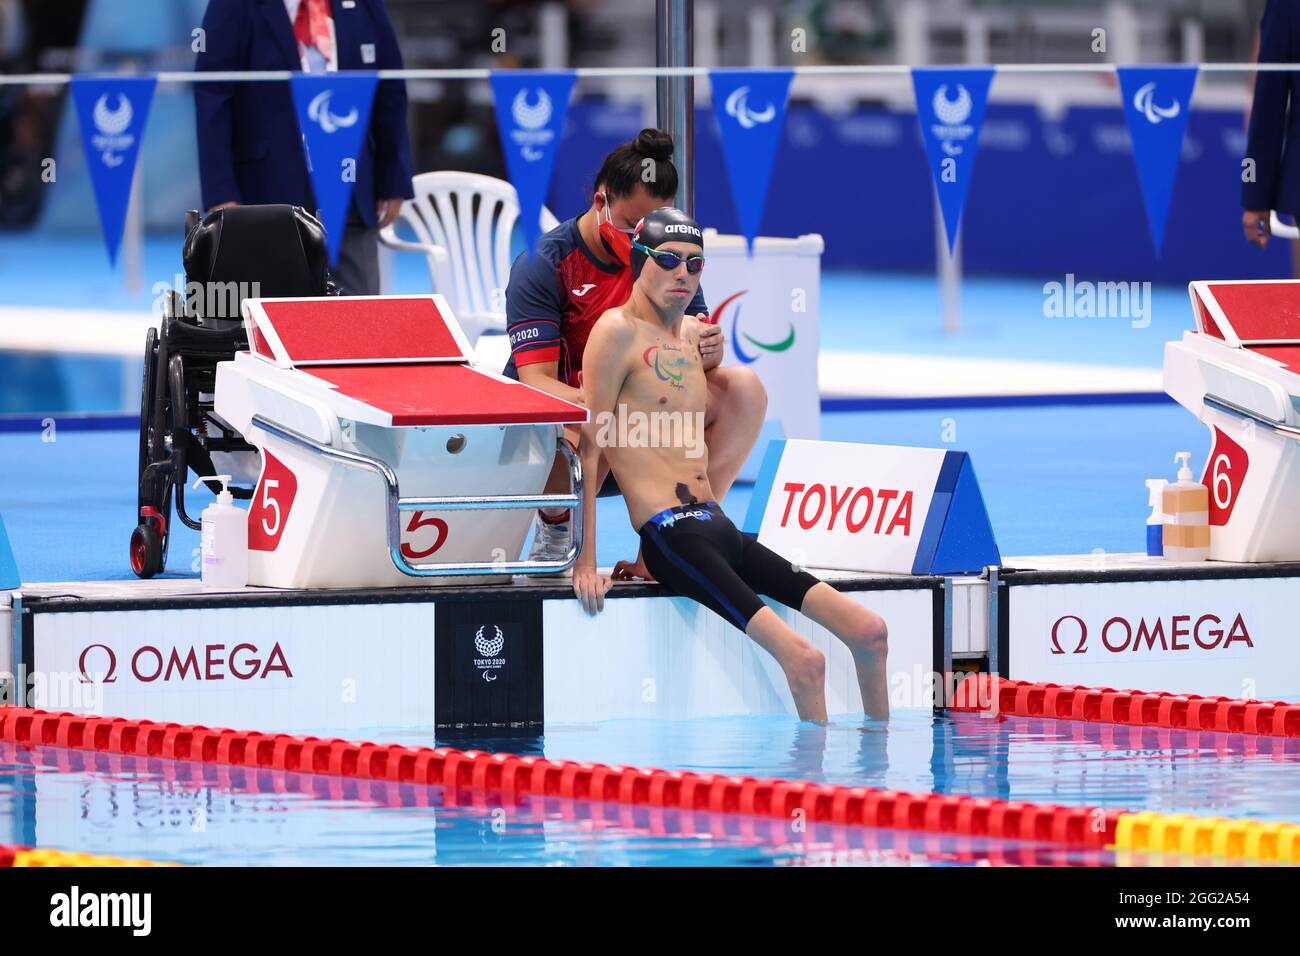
(668, 368)
(670, 518)
(746, 357)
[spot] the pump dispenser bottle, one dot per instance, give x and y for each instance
(224, 548)
(1186, 506)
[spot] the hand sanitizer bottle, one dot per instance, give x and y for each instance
(1186, 504)
(224, 549)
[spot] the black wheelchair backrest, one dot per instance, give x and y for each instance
(265, 251)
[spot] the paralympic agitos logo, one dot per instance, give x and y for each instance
(745, 357)
(668, 363)
(99, 663)
(1071, 635)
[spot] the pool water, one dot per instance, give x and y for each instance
(205, 814)
(200, 814)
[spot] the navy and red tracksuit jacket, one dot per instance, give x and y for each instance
(555, 297)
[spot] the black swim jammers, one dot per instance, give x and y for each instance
(694, 550)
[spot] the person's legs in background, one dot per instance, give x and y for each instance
(357, 270)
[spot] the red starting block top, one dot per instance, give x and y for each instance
(405, 356)
(1288, 356)
(1249, 313)
(443, 394)
(363, 329)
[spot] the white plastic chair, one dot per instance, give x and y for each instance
(1282, 229)
(463, 223)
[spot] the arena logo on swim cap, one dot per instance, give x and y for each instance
(679, 227)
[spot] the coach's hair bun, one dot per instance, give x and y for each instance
(655, 144)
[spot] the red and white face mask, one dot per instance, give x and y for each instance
(617, 242)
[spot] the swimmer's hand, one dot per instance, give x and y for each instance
(711, 339)
(632, 570)
(591, 586)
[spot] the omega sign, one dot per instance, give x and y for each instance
(209, 662)
(1121, 635)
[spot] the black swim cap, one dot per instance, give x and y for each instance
(666, 224)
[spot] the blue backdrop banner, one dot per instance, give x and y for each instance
(530, 111)
(334, 116)
(1157, 101)
(750, 107)
(112, 113)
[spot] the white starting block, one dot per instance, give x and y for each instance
(1239, 373)
(387, 459)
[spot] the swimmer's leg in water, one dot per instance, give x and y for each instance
(864, 633)
(803, 664)
(859, 629)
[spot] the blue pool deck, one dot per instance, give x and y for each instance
(1056, 480)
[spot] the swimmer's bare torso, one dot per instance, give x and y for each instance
(645, 386)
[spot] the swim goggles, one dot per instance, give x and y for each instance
(668, 261)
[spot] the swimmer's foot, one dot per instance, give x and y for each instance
(632, 570)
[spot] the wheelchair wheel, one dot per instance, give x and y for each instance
(149, 552)
(146, 551)
(147, 384)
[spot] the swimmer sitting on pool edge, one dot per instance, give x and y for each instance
(642, 360)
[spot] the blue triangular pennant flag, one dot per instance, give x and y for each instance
(530, 111)
(112, 112)
(1157, 101)
(334, 116)
(950, 108)
(750, 107)
(8, 566)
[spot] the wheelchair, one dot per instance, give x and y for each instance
(240, 252)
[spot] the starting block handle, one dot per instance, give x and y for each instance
(397, 504)
(1232, 408)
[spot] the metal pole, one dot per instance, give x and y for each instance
(133, 235)
(553, 27)
(675, 95)
(948, 265)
